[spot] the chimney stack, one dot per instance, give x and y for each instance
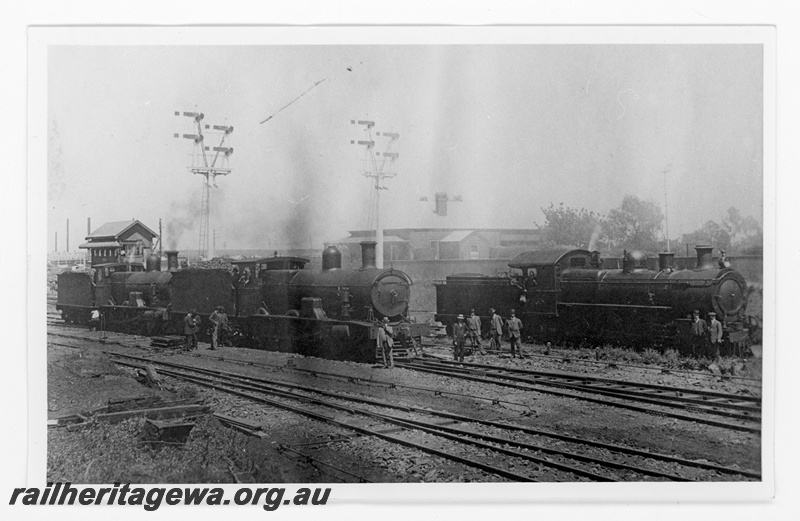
(367, 254)
(172, 260)
(704, 260)
(666, 261)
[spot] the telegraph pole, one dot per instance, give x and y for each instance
(375, 171)
(209, 171)
(666, 209)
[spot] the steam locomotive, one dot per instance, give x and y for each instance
(565, 296)
(273, 303)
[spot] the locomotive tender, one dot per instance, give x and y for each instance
(272, 303)
(565, 296)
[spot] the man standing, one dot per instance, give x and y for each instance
(474, 331)
(514, 332)
(714, 335)
(497, 330)
(386, 342)
(223, 327)
(699, 333)
(459, 338)
(215, 324)
(190, 329)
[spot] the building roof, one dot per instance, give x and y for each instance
(136, 237)
(540, 258)
(458, 236)
(100, 244)
(116, 229)
(358, 240)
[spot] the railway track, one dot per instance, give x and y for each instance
(494, 447)
(744, 380)
(745, 411)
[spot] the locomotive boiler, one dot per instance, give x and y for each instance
(566, 296)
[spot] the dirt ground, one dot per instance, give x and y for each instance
(81, 378)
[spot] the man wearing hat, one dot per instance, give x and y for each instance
(386, 343)
(216, 319)
(497, 329)
(714, 335)
(459, 337)
(474, 331)
(191, 326)
(514, 332)
(699, 333)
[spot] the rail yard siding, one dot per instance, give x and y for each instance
(425, 272)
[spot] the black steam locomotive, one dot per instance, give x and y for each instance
(565, 296)
(273, 303)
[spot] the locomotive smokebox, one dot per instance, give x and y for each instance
(331, 258)
(367, 254)
(704, 260)
(666, 261)
(172, 260)
(153, 263)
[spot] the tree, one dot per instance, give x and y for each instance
(635, 225)
(745, 232)
(710, 233)
(566, 226)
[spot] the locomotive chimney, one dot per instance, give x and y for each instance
(704, 260)
(367, 254)
(666, 261)
(331, 258)
(172, 260)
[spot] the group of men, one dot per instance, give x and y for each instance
(471, 330)
(706, 336)
(191, 327)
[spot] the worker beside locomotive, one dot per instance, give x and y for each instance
(570, 298)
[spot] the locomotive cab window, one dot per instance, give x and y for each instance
(577, 262)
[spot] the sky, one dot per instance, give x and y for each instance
(509, 128)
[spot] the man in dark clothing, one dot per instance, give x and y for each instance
(190, 329)
(699, 334)
(497, 330)
(223, 327)
(386, 343)
(459, 338)
(515, 333)
(216, 318)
